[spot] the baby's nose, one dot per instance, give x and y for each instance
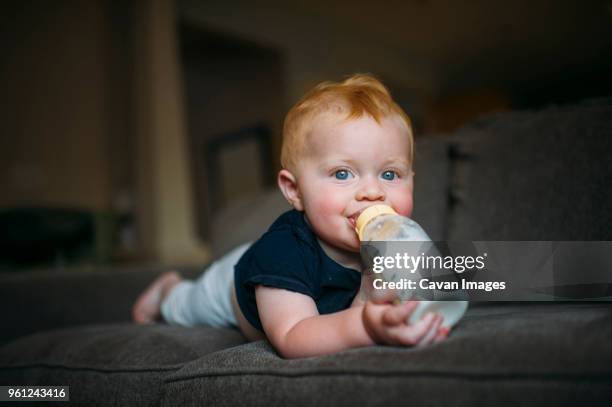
(371, 191)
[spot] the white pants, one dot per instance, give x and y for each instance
(207, 300)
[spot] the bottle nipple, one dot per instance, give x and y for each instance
(370, 213)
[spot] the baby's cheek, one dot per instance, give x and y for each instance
(329, 204)
(403, 203)
(408, 210)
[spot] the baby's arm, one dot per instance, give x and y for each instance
(296, 329)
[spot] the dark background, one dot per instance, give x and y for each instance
(108, 108)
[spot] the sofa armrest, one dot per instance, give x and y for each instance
(41, 300)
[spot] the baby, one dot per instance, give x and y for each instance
(346, 146)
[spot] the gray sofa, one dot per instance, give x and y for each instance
(532, 175)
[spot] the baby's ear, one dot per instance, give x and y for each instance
(287, 182)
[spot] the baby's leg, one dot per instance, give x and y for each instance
(207, 300)
(147, 307)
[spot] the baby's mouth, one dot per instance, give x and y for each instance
(352, 221)
(353, 218)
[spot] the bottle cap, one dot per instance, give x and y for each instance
(370, 213)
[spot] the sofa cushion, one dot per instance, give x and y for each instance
(32, 301)
(125, 363)
(431, 185)
(535, 176)
(528, 354)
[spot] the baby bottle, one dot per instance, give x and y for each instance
(380, 223)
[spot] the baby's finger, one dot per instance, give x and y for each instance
(400, 313)
(442, 334)
(383, 296)
(411, 334)
(433, 331)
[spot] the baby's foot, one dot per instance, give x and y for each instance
(147, 307)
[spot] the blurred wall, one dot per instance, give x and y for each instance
(231, 86)
(91, 117)
(316, 49)
(54, 105)
(164, 198)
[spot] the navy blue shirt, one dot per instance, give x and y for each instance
(289, 256)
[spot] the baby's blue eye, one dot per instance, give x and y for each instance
(342, 174)
(389, 175)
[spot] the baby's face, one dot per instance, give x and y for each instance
(349, 166)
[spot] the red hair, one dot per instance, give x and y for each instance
(358, 95)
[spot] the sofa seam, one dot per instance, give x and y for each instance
(607, 376)
(85, 368)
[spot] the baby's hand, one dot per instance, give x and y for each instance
(386, 323)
